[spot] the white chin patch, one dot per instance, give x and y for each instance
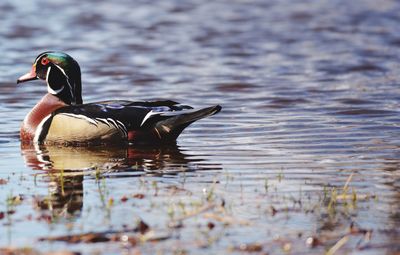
(49, 89)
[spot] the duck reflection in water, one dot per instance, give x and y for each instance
(64, 169)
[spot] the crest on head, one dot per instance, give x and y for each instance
(61, 73)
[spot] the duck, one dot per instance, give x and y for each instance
(61, 117)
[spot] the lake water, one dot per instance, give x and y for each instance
(304, 157)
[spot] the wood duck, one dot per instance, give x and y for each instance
(60, 117)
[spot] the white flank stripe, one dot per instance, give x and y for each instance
(112, 122)
(80, 116)
(167, 129)
(121, 124)
(115, 123)
(104, 121)
(122, 128)
(148, 115)
(39, 129)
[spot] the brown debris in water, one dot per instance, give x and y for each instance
(19, 251)
(138, 196)
(273, 211)
(253, 247)
(45, 217)
(313, 241)
(210, 225)
(354, 230)
(31, 251)
(63, 253)
(142, 229)
(173, 189)
(227, 219)
(82, 238)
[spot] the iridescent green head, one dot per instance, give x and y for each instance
(62, 74)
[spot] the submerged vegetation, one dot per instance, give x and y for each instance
(202, 218)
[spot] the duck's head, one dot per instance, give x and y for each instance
(62, 74)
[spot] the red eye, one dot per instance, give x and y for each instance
(44, 61)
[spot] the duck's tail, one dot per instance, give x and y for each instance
(169, 129)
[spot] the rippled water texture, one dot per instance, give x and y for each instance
(304, 157)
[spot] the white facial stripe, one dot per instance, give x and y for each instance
(49, 89)
(62, 70)
(70, 87)
(37, 59)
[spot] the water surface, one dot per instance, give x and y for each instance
(310, 94)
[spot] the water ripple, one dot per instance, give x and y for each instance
(310, 95)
